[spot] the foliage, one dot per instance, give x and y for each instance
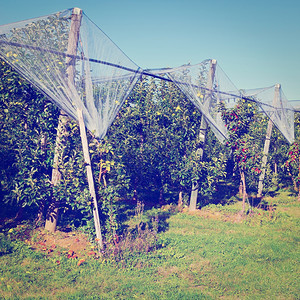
(5, 245)
(292, 160)
(242, 142)
(155, 138)
(27, 131)
(246, 152)
(149, 154)
(275, 176)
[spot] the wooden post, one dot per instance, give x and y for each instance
(72, 49)
(180, 200)
(267, 145)
(90, 178)
(52, 214)
(243, 180)
(72, 44)
(202, 132)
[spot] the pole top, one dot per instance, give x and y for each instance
(77, 11)
(214, 61)
(278, 85)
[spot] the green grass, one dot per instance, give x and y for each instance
(198, 258)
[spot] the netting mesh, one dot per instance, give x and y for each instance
(275, 105)
(226, 90)
(205, 85)
(295, 104)
(39, 49)
(94, 75)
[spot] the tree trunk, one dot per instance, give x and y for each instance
(42, 204)
(294, 181)
(161, 196)
(244, 192)
(275, 168)
(180, 201)
(40, 213)
(241, 189)
(52, 213)
(19, 214)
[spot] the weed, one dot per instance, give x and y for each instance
(139, 238)
(5, 245)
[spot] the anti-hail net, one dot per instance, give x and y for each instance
(91, 73)
(67, 69)
(276, 107)
(295, 104)
(205, 85)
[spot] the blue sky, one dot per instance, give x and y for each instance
(256, 43)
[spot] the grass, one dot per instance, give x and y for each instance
(211, 254)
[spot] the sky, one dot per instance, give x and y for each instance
(255, 42)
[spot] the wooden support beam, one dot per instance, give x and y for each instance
(267, 145)
(203, 132)
(72, 49)
(90, 177)
(52, 214)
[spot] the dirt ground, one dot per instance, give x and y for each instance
(67, 240)
(77, 244)
(73, 245)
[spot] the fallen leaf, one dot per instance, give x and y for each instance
(80, 262)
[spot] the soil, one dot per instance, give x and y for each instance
(74, 241)
(74, 245)
(77, 245)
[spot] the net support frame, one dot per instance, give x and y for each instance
(202, 133)
(64, 119)
(267, 145)
(74, 34)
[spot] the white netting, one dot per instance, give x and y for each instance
(295, 104)
(226, 90)
(102, 75)
(205, 85)
(97, 77)
(274, 104)
(207, 88)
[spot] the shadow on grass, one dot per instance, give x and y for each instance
(226, 193)
(151, 212)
